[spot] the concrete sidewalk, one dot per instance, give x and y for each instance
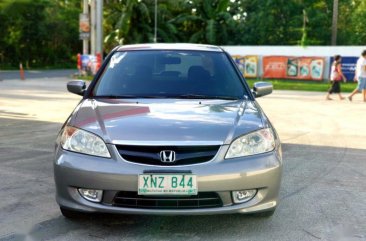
(307, 118)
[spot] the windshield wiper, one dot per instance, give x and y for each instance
(117, 96)
(132, 96)
(185, 96)
(194, 96)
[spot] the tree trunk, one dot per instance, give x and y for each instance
(334, 22)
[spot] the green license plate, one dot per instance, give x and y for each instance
(167, 184)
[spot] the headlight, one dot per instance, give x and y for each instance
(254, 143)
(77, 140)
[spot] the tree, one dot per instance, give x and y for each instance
(206, 21)
(320, 21)
(25, 28)
(62, 21)
(167, 29)
(39, 32)
(354, 27)
(45, 32)
(335, 22)
(132, 21)
(272, 22)
(129, 22)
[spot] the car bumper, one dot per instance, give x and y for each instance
(261, 172)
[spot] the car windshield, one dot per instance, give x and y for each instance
(170, 74)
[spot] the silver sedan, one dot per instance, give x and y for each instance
(170, 129)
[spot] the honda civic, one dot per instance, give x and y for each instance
(168, 129)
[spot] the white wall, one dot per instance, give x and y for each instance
(311, 51)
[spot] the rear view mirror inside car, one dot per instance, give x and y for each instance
(169, 60)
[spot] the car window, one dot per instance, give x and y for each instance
(150, 73)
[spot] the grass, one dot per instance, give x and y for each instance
(83, 77)
(303, 85)
(70, 65)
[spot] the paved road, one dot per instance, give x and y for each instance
(323, 190)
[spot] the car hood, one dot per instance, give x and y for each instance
(162, 121)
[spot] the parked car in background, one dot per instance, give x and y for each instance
(168, 129)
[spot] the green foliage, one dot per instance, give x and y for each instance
(354, 26)
(38, 32)
(319, 14)
(303, 85)
(45, 32)
(272, 22)
(206, 21)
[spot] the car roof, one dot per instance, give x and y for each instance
(170, 46)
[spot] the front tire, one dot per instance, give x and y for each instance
(71, 214)
(265, 214)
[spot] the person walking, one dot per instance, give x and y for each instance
(336, 76)
(360, 77)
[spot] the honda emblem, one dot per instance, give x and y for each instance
(167, 156)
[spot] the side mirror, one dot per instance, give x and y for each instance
(262, 88)
(77, 87)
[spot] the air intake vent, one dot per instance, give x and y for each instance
(133, 200)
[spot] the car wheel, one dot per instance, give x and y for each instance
(265, 214)
(71, 214)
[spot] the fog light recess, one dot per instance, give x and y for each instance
(91, 194)
(243, 195)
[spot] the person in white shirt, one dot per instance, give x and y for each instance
(360, 77)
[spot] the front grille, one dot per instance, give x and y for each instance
(185, 155)
(133, 200)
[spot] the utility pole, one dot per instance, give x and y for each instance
(156, 22)
(85, 41)
(99, 27)
(92, 27)
(96, 19)
(335, 22)
(304, 37)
